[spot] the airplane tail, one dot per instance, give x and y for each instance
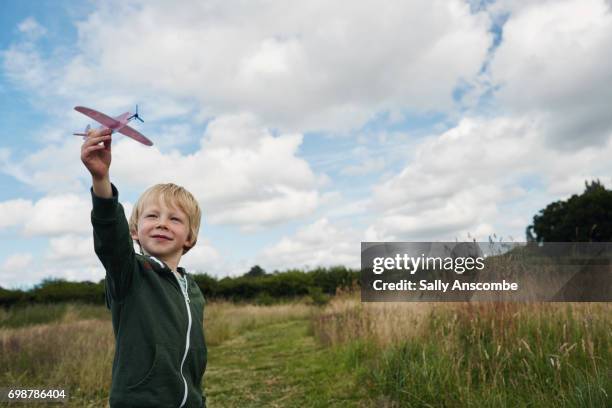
(85, 132)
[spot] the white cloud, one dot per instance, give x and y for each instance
(32, 28)
(336, 66)
(553, 64)
(17, 261)
(56, 168)
(72, 248)
(59, 214)
(460, 158)
(340, 206)
(204, 257)
(18, 279)
(167, 137)
(54, 215)
(318, 244)
(14, 269)
(14, 212)
(25, 66)
(370, 166)
(475, 178)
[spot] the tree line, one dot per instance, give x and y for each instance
(254, 286)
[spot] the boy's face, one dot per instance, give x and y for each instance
(162, 230)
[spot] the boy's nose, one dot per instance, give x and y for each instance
(161, 223)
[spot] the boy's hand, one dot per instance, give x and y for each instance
(97, 157)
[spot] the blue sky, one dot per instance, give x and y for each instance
(301, 132)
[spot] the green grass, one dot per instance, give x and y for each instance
(279, 365)
(542, 356)
(28, 315)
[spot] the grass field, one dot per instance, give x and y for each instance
(476, 354)
(346, 354)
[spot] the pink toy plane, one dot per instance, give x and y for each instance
(117, 124)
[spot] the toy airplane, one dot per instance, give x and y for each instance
(116, 124)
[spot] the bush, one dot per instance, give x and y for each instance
(581, 218)
(60, 290)
(11, 297)
(318, 297)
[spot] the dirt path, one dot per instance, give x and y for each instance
(279, 365)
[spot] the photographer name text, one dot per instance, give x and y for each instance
(441, 286)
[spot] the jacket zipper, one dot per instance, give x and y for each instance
(186, 298)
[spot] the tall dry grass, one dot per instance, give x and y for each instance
(475, 354)
(74, 350)
(70, 352)
(224, 320)
(346, 319)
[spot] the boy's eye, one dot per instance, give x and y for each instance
(150, 215)
(175, 219)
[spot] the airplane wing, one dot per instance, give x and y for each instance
(98, 117)
(136, 135)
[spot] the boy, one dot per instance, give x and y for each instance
(156, 307)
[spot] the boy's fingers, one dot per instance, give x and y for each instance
(92, 148)
(98, 132)
(95, 140)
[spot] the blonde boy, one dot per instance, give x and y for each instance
(157, 308)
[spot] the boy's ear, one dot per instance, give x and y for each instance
(188, 245)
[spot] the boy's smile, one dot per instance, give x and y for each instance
(163, 231)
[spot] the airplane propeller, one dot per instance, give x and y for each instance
(135, 116)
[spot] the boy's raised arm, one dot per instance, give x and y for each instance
(102, 188)
(96, 156)
(112, 242)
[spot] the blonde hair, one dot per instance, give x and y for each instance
(171, 195)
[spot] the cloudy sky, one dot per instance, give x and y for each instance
(303, 128)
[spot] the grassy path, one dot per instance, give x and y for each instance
(278, 365)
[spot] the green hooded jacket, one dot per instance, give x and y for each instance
(160, 351)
